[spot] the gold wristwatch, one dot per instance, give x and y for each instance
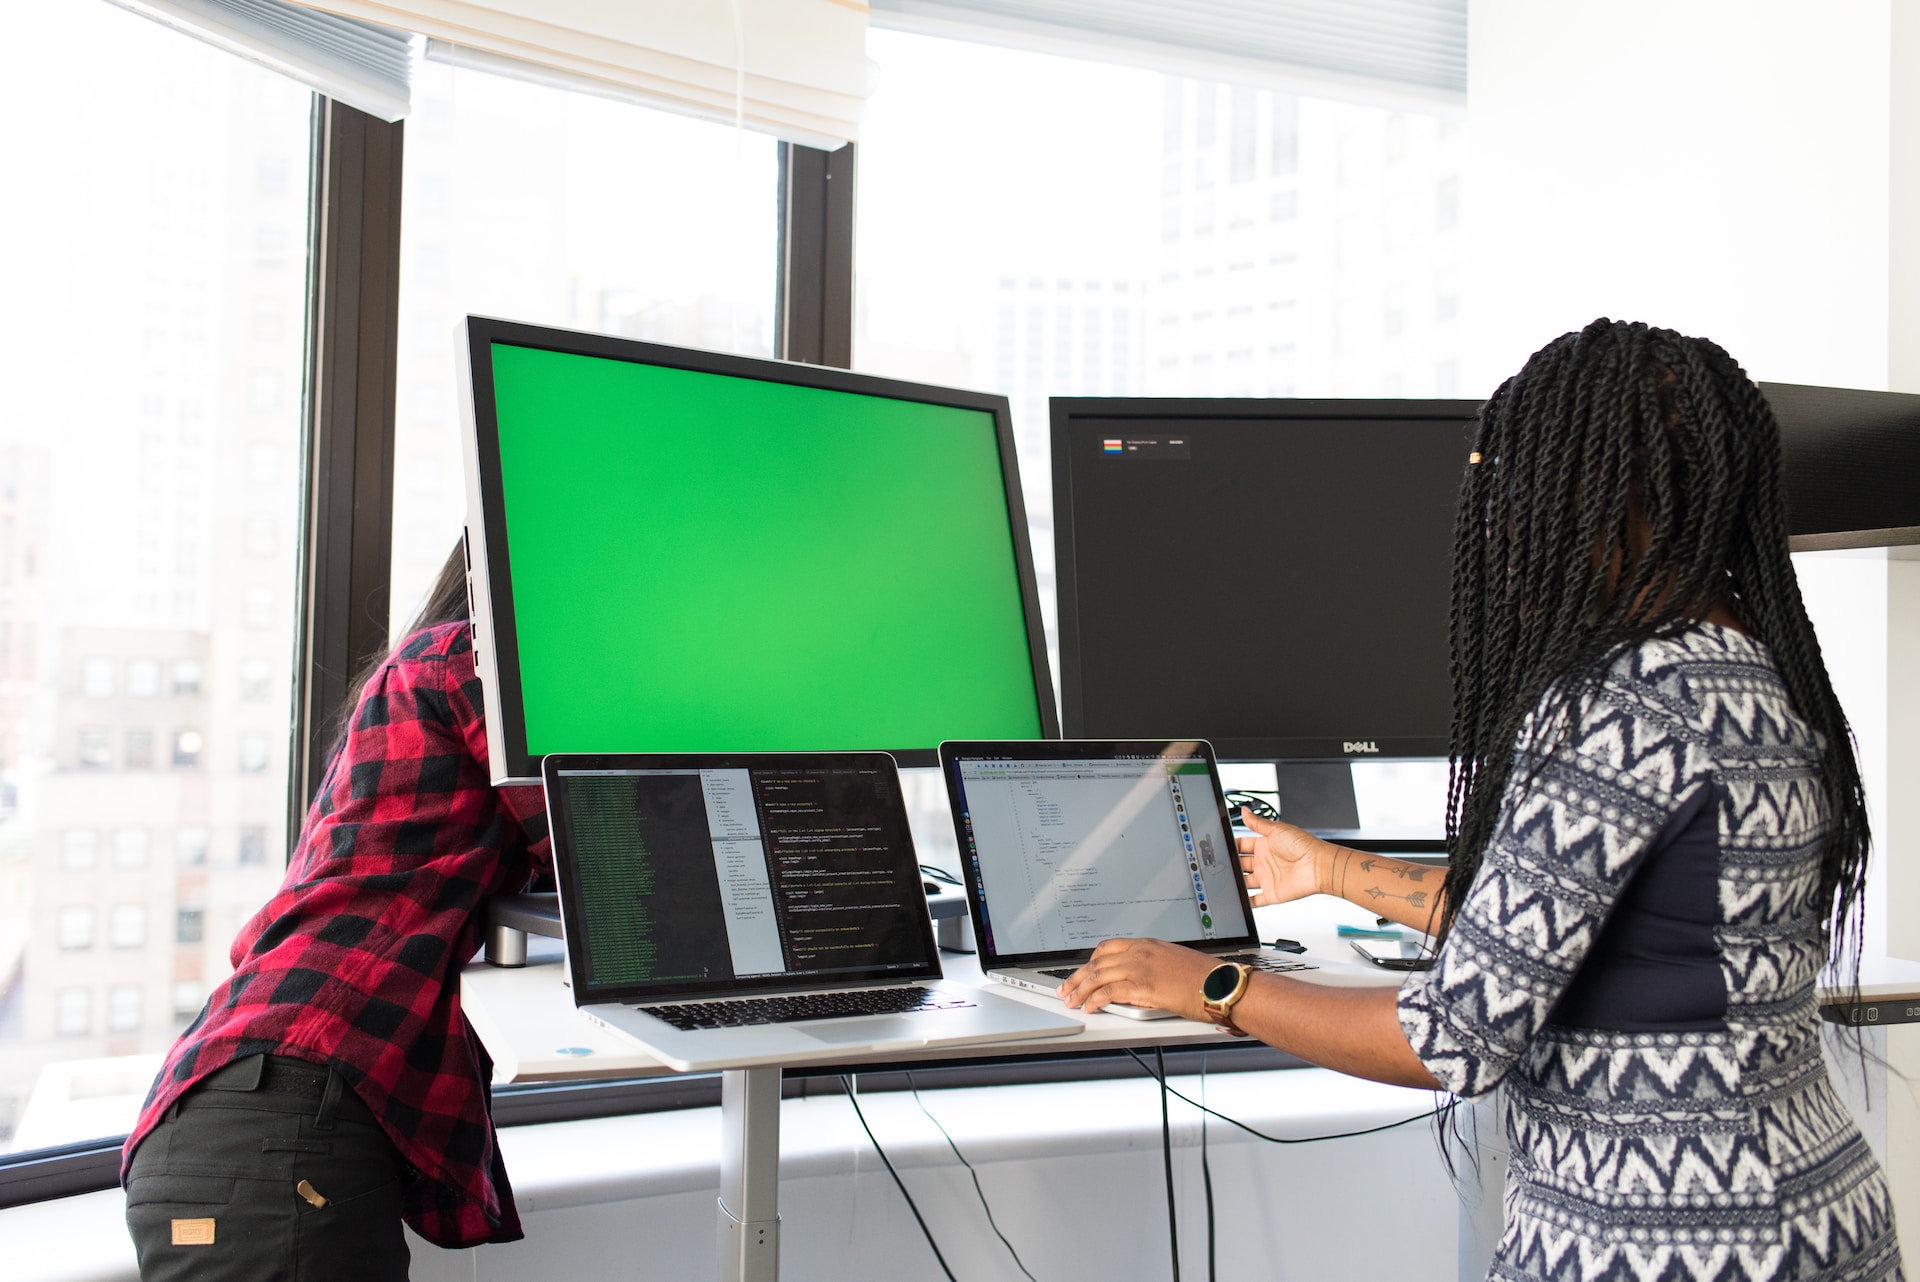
(1222, 989)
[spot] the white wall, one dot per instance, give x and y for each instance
(1717, 167)
(1903, 566)
(1846, 596)
(1073, 1172)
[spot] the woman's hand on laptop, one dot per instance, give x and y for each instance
(1285, 862)
(1140, 972)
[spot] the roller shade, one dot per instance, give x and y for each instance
(794, 68)
(1392, 49)
(359, 63)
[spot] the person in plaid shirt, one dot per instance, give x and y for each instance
(332, 1087)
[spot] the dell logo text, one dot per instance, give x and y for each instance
(1363, 745)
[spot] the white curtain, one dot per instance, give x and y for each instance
(1411, 51)
(794, 68)
(359, 63)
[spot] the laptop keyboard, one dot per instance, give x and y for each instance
(1269, 963)
(747, 1011)
(1259, 961)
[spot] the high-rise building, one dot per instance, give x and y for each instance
(1307, 248)
(148, 527)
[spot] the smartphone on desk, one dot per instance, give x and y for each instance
(1395, 954)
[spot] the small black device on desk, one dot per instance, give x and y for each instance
(1395, 954)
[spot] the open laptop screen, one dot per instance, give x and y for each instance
(1067, 844)
(710, 875)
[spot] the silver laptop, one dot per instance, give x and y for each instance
(1068, 843)
(726, 911)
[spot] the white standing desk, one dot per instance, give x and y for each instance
(527, 1020)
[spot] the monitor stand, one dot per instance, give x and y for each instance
(1317, 794)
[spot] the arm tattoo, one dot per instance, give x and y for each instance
(1394, 868)
(1415, 899)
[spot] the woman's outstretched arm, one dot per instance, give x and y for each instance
(1289, 863)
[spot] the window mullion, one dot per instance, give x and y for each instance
(353, 327)
(813, 317)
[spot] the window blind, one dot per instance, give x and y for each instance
(794, 68)
(359, 63)
(1390, 49)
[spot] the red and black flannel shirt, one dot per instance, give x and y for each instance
(355, 962)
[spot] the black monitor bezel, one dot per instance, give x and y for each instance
(566, 875)
(1847, 459)
(1065, 411)
(953, 753)
(481, 333)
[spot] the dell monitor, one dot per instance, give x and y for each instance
(1848, 461)
(1270, 575)
(682, 551)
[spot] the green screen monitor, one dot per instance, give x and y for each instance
(681, 551)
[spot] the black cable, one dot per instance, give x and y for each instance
(1275, 1139)
(1206, 1167)
(925, 1231)
(976, 1178)
(1166, 1152)
(1254, 799)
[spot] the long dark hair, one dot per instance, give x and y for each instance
(446, 602)
(1624, 484)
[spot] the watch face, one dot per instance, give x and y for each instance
(1219, 983)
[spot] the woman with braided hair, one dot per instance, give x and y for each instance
(1658, 841)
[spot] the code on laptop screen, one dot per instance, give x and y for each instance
(692, 878)
(1069, 852)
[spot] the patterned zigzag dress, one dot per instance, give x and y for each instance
(1679, 1134)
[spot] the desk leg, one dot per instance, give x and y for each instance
(750, 1175)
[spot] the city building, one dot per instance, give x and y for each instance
(147, 551)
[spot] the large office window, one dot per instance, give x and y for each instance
(1093, 230)
(532, 204)
(151, 351)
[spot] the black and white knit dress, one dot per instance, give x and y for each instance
(1636, 962)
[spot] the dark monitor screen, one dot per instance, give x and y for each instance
(1272, 576)
(1848, 459)
(682, 551)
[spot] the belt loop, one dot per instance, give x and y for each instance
(329, 1101)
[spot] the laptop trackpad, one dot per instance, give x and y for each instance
(887, 1029)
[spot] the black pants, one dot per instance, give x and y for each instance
(226, 1187)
